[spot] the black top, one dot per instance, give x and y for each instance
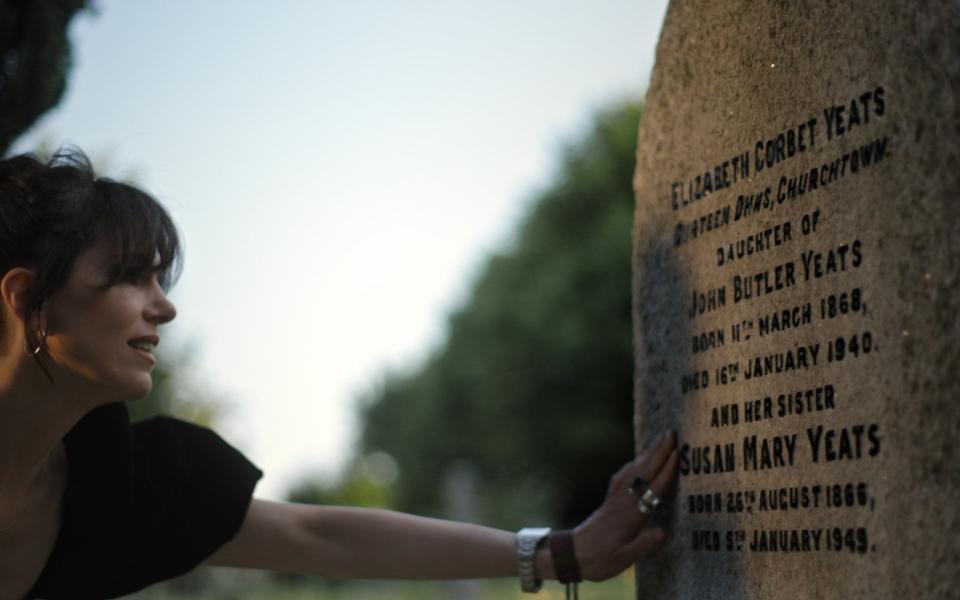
(144, 502)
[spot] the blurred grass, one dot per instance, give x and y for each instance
(247, 587)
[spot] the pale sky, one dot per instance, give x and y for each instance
(338, 172)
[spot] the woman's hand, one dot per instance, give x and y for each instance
(616, 535)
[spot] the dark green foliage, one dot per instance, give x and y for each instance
(34, 61)
(533, 384)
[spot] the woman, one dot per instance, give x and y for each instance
(94, 507)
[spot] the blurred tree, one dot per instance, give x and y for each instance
(533, 383)
(365, 482)
(35, 60)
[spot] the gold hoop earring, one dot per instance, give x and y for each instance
(35, 351)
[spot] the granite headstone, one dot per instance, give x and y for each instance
(796, 297)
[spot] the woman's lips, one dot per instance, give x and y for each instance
(145, 354)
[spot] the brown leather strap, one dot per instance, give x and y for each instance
(564, 558)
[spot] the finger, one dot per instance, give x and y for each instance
(651, 445)
(661, 485)
(621, 478)
(657, 456)
(666, 478)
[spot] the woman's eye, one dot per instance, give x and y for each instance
(139, 277)
(133, 278)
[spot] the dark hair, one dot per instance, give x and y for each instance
(52, 211)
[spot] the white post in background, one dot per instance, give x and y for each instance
(459, 499)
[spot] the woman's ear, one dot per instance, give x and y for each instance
(15, 290)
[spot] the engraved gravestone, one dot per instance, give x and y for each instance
(796, 291)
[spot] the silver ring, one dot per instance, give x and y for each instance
(650, 499)
(644, 508)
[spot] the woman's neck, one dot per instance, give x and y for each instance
(34, 418)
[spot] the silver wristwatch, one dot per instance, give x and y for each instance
(529, 539)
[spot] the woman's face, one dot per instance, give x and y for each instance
(90, 331)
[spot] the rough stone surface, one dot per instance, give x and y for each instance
(873, 250)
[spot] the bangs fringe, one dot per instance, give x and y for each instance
(141, 229)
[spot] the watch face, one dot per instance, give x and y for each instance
(535, 533)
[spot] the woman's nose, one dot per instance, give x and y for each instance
(169, 311)
(161, 310)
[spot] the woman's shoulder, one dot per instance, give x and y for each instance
(145, 501)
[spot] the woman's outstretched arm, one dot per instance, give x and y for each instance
(356, 543)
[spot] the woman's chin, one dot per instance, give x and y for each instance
(136, 389)
(143, 392)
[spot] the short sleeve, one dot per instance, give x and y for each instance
(192, 493)
(144, 503)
